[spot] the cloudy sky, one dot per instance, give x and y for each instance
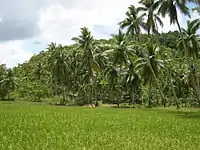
(27, 26)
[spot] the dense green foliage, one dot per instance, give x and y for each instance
(153, 69)
(46, 127)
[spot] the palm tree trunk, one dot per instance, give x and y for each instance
(64, 96)
(119, 94)
(148, 32)
(168, 74)
(171, 84)
(95, 91)
(193, 77)
(111, 94)
(157, 101)
(150, 96)
(8, 95)
(159, 88)
(132, 97)
(117, 97)
(100, 92)
(118, 102)
(90, 99)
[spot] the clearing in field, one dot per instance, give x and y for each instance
(46, 127)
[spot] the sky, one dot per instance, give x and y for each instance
(28, 26)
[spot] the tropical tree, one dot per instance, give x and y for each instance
(52, 46)
(9, 83)
(148, 9)
(121, 53)
(59, 68)
(132, 84)
(190, 43)
(121, 49)
(191, 38)
(88, 45)
(112, 78)
(113, 70)
(38, 71)
(150, 67)
(170, 8)
(3, 71)
(133, 22)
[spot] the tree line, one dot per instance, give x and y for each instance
(132, 67)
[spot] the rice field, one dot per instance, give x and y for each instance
(28, 126)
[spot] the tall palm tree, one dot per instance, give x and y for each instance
(148, 9)
(59, 68)
(2, 76)
(133, 22)
(191, 38)
(112, 75)
(170, 8)
(132, 84)
(122, 53)
(38, 71)
(88, 45)
(150, 67)
(190, 43)
(169, 79)
(121, 49)
(9, 82)
(52, 46)
(151, 6)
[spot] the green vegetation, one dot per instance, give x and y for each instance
(49, 127)
(137, 66)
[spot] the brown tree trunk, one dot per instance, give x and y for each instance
(164, 102)
(168, 74)
(193, 77)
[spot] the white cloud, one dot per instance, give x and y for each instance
(61, 22)
(12, 53)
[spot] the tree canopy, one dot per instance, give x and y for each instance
(139, 65)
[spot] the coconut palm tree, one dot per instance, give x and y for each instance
(132, 83)
(112, 77)
(9, 82)
(121, 53)
(133, 22)
(52, 46)
(38, 71)
(170, 8)
(148, 9)
(191, 38)
(190, 43)
(88, 45)
(150, 67)
(59, 68)
(121, 49)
